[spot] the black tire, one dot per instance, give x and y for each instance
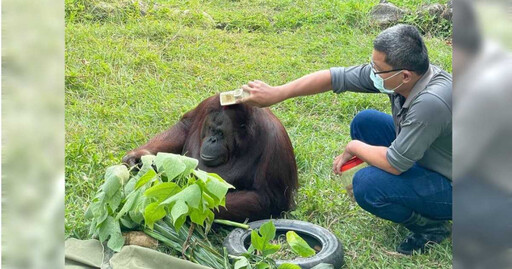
(331, 252)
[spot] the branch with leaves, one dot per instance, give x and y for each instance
(167, 191)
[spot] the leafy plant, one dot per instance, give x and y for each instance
(260, 249)
(260, 239)
(258, 254)
(105, 204)
(173, 189)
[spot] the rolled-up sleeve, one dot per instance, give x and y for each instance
(409, 146)
(424, 123)
(354, 79)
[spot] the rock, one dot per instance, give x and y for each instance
(434, 10)
(448, 11)
(103, 10)
(139, 238)
(384, 14)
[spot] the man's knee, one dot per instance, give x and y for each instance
(365, 188)
(373, 127)
(361, 120)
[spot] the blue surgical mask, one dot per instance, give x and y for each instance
(378, 82)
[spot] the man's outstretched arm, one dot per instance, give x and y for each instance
(263, 95)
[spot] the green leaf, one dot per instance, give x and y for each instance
(100, 196)
(147, 177)
(190, 164)
(116, 241)
(107, 228)
(260, 239)
(202, 175)
(191, 180)
(298, 245)
(217, 177)
(209, 216)
(179, 222)
(268, 231)
(115, 200)
(115, 177)
(129, 204)
(162, 191)
(208, 201)
(223, 202)
(136, 216)
(217, 188)
(147, 164)
(214, 188)
(92, 228)
(191, 195)
(198, 216)
(262, 265)
(152, 213)
(104, 214)
(130, 185)
(147, 160)
(257, 240)
(128, 223)
(94, 210)
(242, 262)
(170, 164)
(88, 212)
(178, 209)
(270, 249)
(288, 266)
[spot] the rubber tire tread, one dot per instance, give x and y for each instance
(331, 252)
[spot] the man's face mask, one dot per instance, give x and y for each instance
(378, 82)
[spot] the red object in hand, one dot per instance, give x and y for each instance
(353, 162)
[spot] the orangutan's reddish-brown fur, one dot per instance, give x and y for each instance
(258, 154)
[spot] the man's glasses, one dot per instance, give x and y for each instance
(372, 65)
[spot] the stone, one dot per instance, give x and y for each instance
(448, 11)
(385, 14)
(139, 238)
(434, 10)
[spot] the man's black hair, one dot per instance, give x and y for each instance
(404, 48)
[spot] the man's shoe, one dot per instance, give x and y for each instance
(425, 232)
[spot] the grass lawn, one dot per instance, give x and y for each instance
(132, 70)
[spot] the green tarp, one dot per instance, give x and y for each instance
(91, 254)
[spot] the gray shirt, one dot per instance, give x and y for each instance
(423, 121)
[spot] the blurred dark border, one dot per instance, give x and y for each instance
(482, 134)
(32, 134)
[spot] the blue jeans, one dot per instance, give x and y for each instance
(394, 197)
